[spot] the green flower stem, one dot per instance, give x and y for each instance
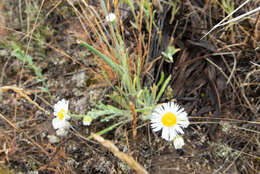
(143, 110)
(78, 115)
(107, 129)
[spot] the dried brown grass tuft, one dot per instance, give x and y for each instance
(97, 32)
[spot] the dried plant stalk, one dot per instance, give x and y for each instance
(22, 93)
(124, 157)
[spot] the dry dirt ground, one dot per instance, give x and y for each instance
(224, 110)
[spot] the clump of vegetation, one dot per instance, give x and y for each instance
(114, 67)
(28, 60)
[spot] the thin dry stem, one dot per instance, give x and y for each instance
(124, 157)
(23, 94)
(134, 128)
(28, 137)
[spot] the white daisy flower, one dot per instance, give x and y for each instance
(111, 17)
(178, 142)
(57, 123)
(171, 118)
(87, 120)
(61, 109)
(60, 121)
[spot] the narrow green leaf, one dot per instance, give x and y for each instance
(161, 80)
(104, 57)
(163, 88)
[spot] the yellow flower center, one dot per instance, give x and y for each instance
(87, 119)
(61, 114)
(169, 119)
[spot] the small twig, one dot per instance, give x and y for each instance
(219, 68)
(22, 93)
(124, 157)
(237, 156)
(27, 136)
(233, 69)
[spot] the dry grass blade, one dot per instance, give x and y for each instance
(134, 128)
(232, 163)
(222, 22)
(22, 93)
(27, 136)
(124, 157)
(240, 17)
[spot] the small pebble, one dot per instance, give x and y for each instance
(53, 139)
